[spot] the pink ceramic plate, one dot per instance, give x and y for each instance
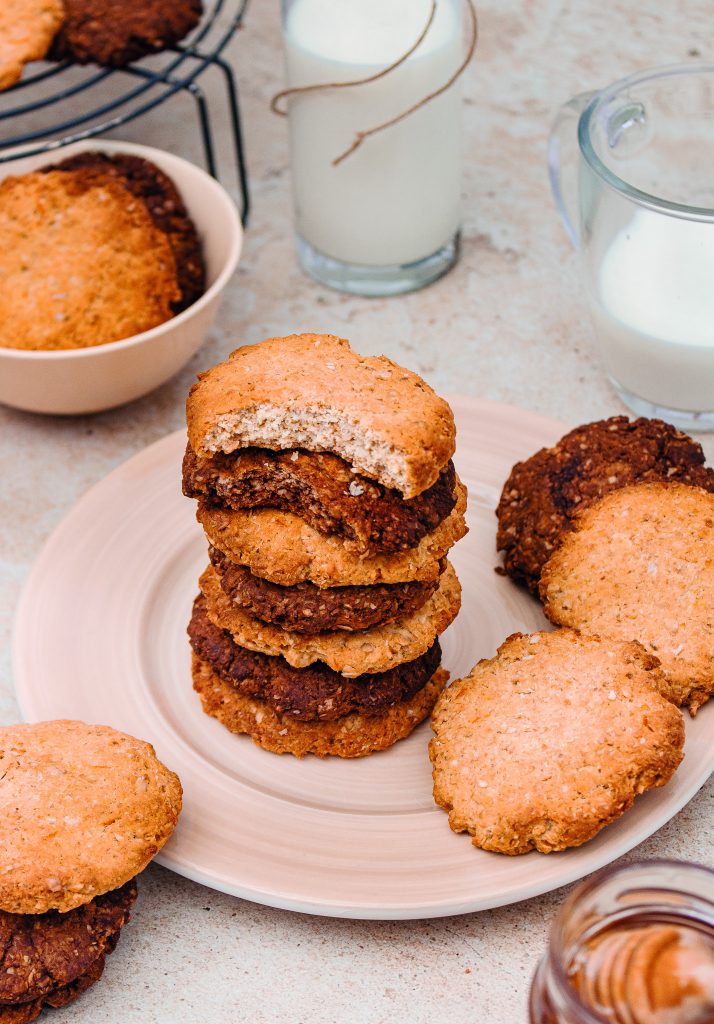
(100, 635)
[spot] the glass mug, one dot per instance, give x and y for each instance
(633, 944)
(385, 218)
(640, 209)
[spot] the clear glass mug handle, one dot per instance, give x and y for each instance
(563, 162)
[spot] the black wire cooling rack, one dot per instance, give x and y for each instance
(139, 88)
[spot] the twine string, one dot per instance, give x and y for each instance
(360, 136)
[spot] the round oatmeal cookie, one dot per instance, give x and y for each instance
(165, 206)
(80, 266)
(543, 494)
(543, 745)
(305, 608)
(307, 694)
(353, 654)
(83, 809)
(26, 31)
(44, 952)
(639, 565)
(284, 549)
(354, 735)
(113, 33)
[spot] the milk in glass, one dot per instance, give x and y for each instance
(396, 199)
(653, 306)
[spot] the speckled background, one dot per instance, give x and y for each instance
(508, 323)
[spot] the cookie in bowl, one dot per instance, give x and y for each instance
(156, 286)
(83, 809)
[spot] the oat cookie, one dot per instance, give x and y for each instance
(165, 206)
(26, 31)
(79, 266)
(355, 735)
(639, 565)
(113, 33)
(83, 808)
(352, 654)
(543, 745)
(543, 494)
(312, 391)
(282, 548)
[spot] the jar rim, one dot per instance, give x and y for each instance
(585, 1014)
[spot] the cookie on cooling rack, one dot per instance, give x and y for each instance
(639, 565)
(543, 494)
(27, 28)
(113, 33)
(543, 745)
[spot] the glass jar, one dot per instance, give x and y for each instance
(385, 218)
(631, 945)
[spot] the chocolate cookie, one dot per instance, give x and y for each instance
(314, 693)
(544, 493)
(324, 491)
(305, 608)
(24, 1013)
(353, 735)
(113, 33)
(164, 203)
(40, 953)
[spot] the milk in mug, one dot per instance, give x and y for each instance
(396, 199)
(653, 306)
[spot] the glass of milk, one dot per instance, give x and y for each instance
(640, 208)
(385, 219)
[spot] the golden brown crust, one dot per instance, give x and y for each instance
(354, 735)
(353, 654)
(543, 745)
(26, 31)
(282, 548)
(312, 391)
(639, 565)
(81, 264)
(83, 808)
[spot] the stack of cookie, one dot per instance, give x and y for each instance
(329, 499)
(92, 250)
(83, 809)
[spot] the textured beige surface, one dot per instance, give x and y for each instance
(509, 322)
(313, 391)
(283, 548)
(543, 745)
(639, 565)
(354, 735)
(83, 808)
(353, 654)
(26, 31)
